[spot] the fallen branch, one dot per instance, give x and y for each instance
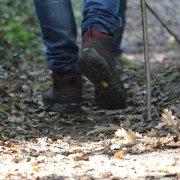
(163, 24)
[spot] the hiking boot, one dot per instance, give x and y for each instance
(65, 95)
(98, 64)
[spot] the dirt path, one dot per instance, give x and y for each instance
(35, 143)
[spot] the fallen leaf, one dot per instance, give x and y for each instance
(91, 117)
(6, 144)
(15, 148)
(35, 169)
(160, 125)
(35, 163)
(152, 133)
(81, 158)
(34, 140)
(119, 155)
(157, 144)
(176, 139)
(169, 119)
(127, 134)
(162, 168)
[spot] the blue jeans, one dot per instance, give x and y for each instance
(59, 33)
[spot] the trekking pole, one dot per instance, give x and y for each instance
(146, 56)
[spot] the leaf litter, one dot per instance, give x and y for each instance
(35, 143)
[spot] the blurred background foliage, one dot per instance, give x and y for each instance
(19, 30)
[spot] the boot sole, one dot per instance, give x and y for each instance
(109, 94)
(91, 63)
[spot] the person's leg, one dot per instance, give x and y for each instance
(101, 15)
(97, 60)
(119, 32)
(58, 28)
(59, 34)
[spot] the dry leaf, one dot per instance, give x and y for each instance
(35, 169)
(162, 168)
(119, 155)
(57, 138)
(160, 125)
(175, 139)
(34, 140)
(152, 133)
(6, 144)
(126, 134)
(15, 148)
(157, 144)
(91, 117)
(81, 158)
(35, 163)
(169, 119)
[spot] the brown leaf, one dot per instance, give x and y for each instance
(6, 144)
(34, 140)
(81, 158)
(157, 144)
(57, 138)
(36, 169)
(176, 139)
(16, 160)
(119, 155)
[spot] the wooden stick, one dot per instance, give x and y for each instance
(146, 56)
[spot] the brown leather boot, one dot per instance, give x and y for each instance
(65, 95)
(98, 64)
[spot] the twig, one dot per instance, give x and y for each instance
(162, 23)
(146, 56)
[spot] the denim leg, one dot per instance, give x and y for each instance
(102, 15)
(119, 33)
(58, 28)
(106, 15)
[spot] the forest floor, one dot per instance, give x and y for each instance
(36, 143)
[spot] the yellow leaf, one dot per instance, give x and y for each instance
(162, 168)
(91, 117)
(15, 148)
(126, 134)
(105, 84)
